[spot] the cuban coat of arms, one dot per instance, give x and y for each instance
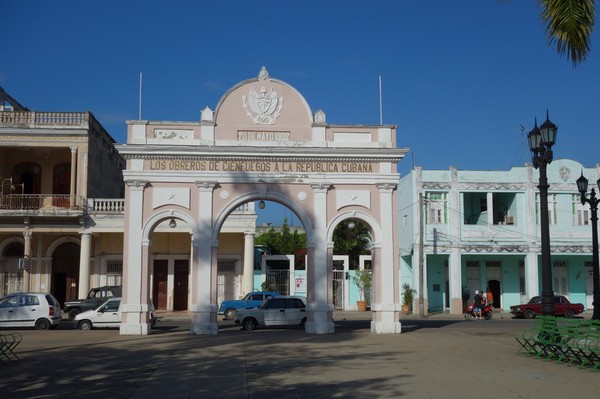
(263, 107)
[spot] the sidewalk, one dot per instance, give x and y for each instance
(437, 357)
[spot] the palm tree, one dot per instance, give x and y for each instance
(569, 25)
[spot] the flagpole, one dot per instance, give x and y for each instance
(380, 103)
(140, 100)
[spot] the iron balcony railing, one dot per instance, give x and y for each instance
(41, 202)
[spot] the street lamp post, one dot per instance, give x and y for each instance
(582, 186)
(541, 141)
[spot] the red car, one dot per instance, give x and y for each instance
(562, 307)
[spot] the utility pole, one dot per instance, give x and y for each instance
(421, 256)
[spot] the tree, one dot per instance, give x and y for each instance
(569, 25)
(284, 242)
(351, 241)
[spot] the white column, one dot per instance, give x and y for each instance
(320, 311)
(73, 177)
(134, 308)
(532, 283)
(27, 261)
(84, 264)
(204, 300)
(454, 263)
(386, 309)
(248, 275)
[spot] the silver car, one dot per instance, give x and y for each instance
(275, 311)
(29, 309)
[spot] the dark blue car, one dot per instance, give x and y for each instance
(251, 300)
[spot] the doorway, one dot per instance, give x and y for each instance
(159, 283)
(180, 291)
(494, 286)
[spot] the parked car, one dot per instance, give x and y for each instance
(106, 315)
(562, 307)
(275, 311)
(29, 309)
(94, 298)
(251, 300)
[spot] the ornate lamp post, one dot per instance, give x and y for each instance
(582, 186)
(541, 141)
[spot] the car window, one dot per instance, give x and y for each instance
(10, 301)
(256, 297)
(294, 303)
(51, 300)
(275, 303)
(112, 306)
(29, 300)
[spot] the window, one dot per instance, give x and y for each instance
(551, 208)
(114, 272)
(436, 207)
(581, 213)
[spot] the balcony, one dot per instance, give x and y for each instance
(41, 205)
(44, 119)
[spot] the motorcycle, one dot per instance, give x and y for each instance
(487, 312)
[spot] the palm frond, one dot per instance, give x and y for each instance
(569, 25)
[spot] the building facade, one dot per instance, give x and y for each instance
(481, 230)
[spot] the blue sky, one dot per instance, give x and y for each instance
(459, 77)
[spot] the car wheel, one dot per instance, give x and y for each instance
(229, 314)
(249, 324)
(42, 324)
(569, 314)
(529, 314)
(303, 322)
(85, 325)
(73, 313)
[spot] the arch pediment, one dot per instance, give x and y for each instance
(263, 109)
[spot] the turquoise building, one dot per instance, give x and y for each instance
(481, 231)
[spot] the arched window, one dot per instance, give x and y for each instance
(29, 175)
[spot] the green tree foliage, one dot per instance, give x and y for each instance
(283, 241)
(352, 242)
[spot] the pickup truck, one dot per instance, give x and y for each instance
(95, 298)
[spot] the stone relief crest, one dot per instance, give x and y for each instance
(263, 107)
(565, 173)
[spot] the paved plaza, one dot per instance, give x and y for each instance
(439, 356)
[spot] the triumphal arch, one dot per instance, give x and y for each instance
(262, 142)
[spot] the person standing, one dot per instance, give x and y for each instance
(477, 305)
(490, 297)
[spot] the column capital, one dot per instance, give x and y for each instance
(136, 184)
(386, 187)
(27, 234)
(207, 186)
(321, 187)
(73, 149)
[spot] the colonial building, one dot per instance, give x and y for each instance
(481, 229)
(51, 163)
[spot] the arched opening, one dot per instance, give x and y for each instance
(65, 272)
(11, 277)
(352, 269)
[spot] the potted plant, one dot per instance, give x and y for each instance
(363, 280)
(408, 295)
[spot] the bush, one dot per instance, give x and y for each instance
(408, 294)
